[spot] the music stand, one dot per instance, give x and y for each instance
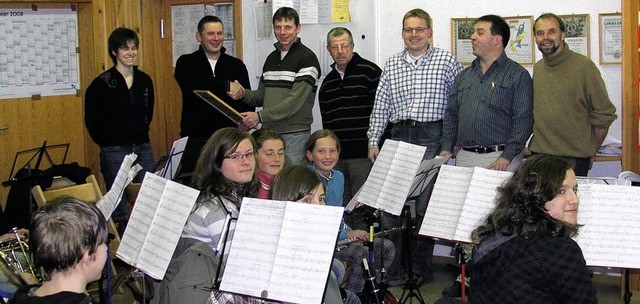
(19, 213)
(38, 153)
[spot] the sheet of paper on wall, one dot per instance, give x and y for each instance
(155, 225)
(391, 176)
(308, 11)
(263, 18)
(174, 158)
(230, 46)
(126, 173)
(184, 19)
(224, 11)
(340, 11)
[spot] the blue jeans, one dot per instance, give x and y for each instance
(423, 134)
(294, 147)
(111, 158)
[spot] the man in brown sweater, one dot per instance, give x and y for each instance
(571, 108)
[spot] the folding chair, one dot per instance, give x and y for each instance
(88, 192)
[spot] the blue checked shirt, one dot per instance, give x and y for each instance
(412, 90)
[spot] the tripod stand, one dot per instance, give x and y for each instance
(410, 289)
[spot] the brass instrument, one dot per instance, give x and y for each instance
(16, 263)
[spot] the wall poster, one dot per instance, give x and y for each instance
(521, 46)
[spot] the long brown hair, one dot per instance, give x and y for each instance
(522, 198)
(208, 177)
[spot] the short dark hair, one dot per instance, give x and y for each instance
(62, 231)
(310, 144)
(208, 177)
(286, 13)
(550, 16)
(264, 134)
(121, 37)
(522, 198)
(499, 27)
(295, 182)
(338, 31)
(419, 13)
(207, 19)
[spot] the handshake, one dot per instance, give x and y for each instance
(250, 120)
(235, 90)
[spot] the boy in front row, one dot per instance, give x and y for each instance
(67, 242)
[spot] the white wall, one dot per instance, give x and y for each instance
(380, 22)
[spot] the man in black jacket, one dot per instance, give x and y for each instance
(208, 68)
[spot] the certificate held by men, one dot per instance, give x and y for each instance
(219, 105)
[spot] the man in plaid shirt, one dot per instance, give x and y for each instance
(412, 96)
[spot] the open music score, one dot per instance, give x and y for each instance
(609, 214)
(155, 225)
(461, 199)
(282, 250)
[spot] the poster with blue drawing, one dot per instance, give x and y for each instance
(521, 44)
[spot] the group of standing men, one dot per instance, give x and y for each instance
(484, 114)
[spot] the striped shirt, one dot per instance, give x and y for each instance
(345, 104)
(412, 90)
(491, 109)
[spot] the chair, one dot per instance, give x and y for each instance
(88, 192)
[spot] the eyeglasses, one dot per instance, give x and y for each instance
(239, 156)
(419, 30)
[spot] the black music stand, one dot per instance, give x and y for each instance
(410, 289)
(28, 173)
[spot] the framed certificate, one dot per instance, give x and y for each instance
(461, 31)
(610, 38)
(219, 105)
(577, 33)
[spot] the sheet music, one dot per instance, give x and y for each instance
(312, 230)
(610, 236)
(175, 205)
(161, 232)
(392, 175)
(175, 157)
(602, 181)
(141, 217)
(282, 250)
(480, 200)
(126, 173)
(447, 200)
(461, 199)
(257, 230)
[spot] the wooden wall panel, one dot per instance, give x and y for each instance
(631, 99)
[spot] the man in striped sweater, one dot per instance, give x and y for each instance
(286, 91)
(346, 99)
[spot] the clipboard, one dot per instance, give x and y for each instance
(220, 105)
